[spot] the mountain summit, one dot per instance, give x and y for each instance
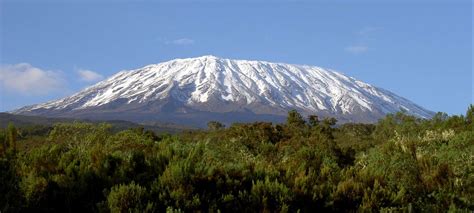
(196, 90)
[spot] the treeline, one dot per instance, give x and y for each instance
(402, 163)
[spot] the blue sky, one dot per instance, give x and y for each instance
(421, 50)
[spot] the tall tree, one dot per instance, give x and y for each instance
(295, 119)
(470, 114)
(215, 125)
(313, 120)
(11, 138)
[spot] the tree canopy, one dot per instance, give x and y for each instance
(401, 163)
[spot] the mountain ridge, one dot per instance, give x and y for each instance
(195, 87)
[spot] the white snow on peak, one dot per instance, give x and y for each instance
(198, 80)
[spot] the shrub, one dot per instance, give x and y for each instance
(128, 198)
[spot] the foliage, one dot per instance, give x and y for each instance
(401, 163)
(128, 198)
(295, 119)
(215, 125)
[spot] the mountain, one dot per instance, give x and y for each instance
(195, 90)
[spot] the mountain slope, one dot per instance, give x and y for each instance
(207, 87)
(24, 121)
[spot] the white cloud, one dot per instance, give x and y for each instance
(182, 41)
(89, 76)
(356, 49)
(26, 79)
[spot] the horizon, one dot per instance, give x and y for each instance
(51, 54)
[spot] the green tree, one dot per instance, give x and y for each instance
(326, 127)
(11, 138)
(215, 125)
(470, 114)
(295, 119)
(313, 120)
(3, 146)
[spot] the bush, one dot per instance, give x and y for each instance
(129, 198)
(401, 163)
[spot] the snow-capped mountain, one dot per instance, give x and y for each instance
(196, 90)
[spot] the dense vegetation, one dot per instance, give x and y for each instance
(402, 163)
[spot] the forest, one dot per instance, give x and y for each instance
(399, 164)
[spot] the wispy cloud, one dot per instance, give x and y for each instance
(366, 31)
(363, 36)
(182, 41)
(28, 80)
(89, 76)
(356, 49)
(178, 41)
